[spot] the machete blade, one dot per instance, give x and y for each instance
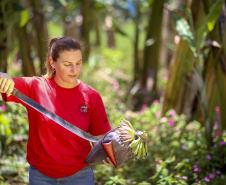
(79, 132)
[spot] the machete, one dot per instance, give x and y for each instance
(79, 132)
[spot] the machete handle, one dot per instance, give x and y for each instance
(14, 91)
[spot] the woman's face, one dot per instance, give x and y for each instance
(68, 67)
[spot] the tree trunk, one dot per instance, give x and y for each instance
(137, 67)
(40, 25)
(152, 47)
(85, 10)
(3, 39)
(110, 32)
(25, 51)
(168, 36)
(72, 29)
(96, 25)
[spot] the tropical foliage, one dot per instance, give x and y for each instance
(166, 76)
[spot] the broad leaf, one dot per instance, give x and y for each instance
(63, 2)
(209, 23)
(184, 31)
(214, 14)
(190, 18)
(24, 16)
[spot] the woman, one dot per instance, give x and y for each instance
(55, 154)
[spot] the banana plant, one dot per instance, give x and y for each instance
(196, 39)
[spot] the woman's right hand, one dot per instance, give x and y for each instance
(6, 83)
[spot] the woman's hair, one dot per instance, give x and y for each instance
(56, 46)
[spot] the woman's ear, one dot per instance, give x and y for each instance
(51, 62)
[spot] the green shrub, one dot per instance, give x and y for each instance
(13, 140)
(178, 152)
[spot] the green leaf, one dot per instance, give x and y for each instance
(190, 18)
(209, 23)
(165, 172)
(8, 132)
(63, 2)
(184, 31)
(24, 16)
(4, 120)
(214, 14)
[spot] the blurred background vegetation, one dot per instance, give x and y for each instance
(157, 63)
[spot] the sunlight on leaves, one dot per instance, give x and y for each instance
(24, 15)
